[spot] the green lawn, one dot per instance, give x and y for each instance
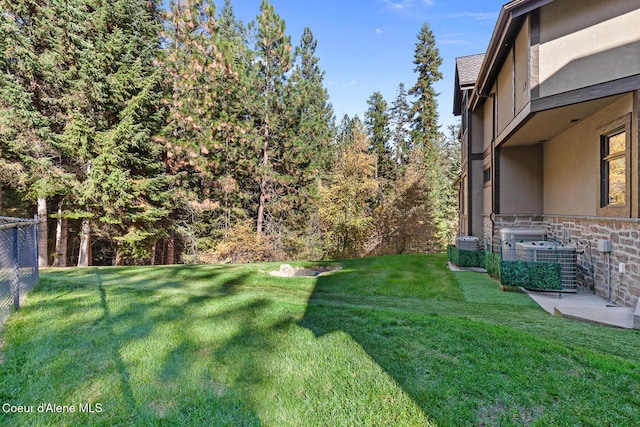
(385, 341)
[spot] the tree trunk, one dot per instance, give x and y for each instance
(263, 183)
(171, 248)
(119, 259)
(263, 199)
(154, 249)
(43, 239)
(62, 233)
(84, 257)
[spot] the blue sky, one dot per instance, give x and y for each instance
(366, 46)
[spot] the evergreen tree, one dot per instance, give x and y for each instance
(444, 194)
(126, 184)
(232, 30)
(400, 122)
(79, 81)
(343, 131)
(236, 182)
(308, 149)
(377, 121)
(314, 112)
(427, 62)
(37, 59)
(206, 133)
(273, 57)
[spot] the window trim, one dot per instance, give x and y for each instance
(486, 176)
(619, 125)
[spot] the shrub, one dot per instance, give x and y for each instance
(464, 258)
(492, 264)
(531, 275)
(452, 254)
(241, 245)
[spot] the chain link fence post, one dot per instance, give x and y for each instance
(18, 262)
(15, 279)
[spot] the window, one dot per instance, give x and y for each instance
(614, 165)
(486, 176)
(614, 168)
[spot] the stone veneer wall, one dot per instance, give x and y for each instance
(487, 232)
(508, 221)
(585, 233)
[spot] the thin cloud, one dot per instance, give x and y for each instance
(379, 31)
(350, 84)
(453, 41)
(400, 6)
(476, 16)
(408, 8)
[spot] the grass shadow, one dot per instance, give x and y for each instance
(384, 341)
(110, 337)
(115, 347)
(486, 358)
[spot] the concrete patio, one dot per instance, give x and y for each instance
(586, 307)
(583, 306)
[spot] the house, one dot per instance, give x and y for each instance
(550, 122)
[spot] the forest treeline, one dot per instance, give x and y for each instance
(148, 136)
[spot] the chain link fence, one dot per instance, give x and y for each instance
(18, 262)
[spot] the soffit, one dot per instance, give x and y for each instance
(546, 125)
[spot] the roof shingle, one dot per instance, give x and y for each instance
(468, 68)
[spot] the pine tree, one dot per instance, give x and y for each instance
(80, 82)
(343, 131)
(207, 134)
(314, 112)
(424, 110)
(273, 55)
(377, 121)
(400, 122)
(231, 29)
(308, 139)
(444, 194)
(237, 170)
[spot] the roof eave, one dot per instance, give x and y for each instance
(510, 18)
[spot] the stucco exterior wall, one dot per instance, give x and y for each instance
(505, 99)
(522, 78)
(477, 199)
(586, 42)
(521, 179)
(487, 123)
(572, 162)
(477, 139)
(486, 192)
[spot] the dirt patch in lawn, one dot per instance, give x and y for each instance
(287, 270)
